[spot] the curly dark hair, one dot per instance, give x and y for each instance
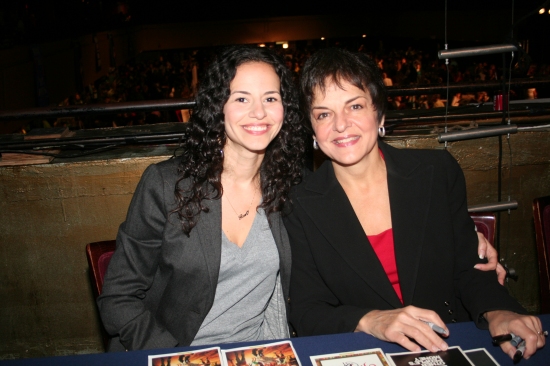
(336, 65)
(201, 160)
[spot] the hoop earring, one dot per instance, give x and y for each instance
(381, 131)
(315, 144)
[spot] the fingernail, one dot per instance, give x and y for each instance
(435, 349)
(481, 256)
(476, 266)
(444, 346)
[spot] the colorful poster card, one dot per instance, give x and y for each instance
(199, 357)
(368, 357)
(271, 354)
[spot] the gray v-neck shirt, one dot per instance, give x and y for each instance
(248, 304)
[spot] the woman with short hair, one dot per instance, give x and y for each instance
(381, 237)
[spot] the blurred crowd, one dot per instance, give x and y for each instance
(417, 67)
(176, 75)
(162, 78)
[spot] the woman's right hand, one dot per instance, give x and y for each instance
(402, 325)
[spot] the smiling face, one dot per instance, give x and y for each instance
(345, 123)
(254, 111)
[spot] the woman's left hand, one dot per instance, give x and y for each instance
(528, 327)
(486, 250)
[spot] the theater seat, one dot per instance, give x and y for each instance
(99, 255)
(541, 216)
(485, 224)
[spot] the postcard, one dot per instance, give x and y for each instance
(480, 357)
(199, 357)
(367, 357)
(454, 356)
(271, 354)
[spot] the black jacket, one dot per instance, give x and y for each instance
(336, 276)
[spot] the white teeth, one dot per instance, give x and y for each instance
(255, 128)
(343, 141)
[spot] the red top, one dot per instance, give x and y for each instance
(384, 248)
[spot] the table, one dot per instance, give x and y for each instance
(465, 335)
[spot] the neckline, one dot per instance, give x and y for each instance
(258, 213)
(380, 233)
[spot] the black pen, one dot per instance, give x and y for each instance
(519, 352)
(514, 339)
(502, 338)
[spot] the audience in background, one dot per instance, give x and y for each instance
(175, 75)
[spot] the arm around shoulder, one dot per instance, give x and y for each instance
(479, 291)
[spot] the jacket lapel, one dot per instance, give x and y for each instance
(330, 210)
(409, 184)
(209, 229)
(283, 246)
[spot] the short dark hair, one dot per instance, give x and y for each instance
(201, 161)
(337, 65)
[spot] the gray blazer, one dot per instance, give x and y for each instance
(160, 283)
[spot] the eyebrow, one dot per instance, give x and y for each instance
(248, 93)
(347, 102)
(354, 99)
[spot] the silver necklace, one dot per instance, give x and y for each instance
(240, 216)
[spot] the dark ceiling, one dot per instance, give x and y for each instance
(33, 21)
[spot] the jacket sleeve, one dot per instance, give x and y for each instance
(478, 290)
(314, 309)
(133, 267)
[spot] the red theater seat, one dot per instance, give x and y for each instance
(541, 216)
(486, 224)
(99, 255)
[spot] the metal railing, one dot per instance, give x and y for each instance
(174, 104)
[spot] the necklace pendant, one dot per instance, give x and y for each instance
(244, 214)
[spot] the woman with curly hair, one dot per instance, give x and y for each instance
(203, 256)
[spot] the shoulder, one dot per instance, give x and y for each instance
(158, 180)
(163, 172)
(315, 182)
(436, 157)
(167, 168)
